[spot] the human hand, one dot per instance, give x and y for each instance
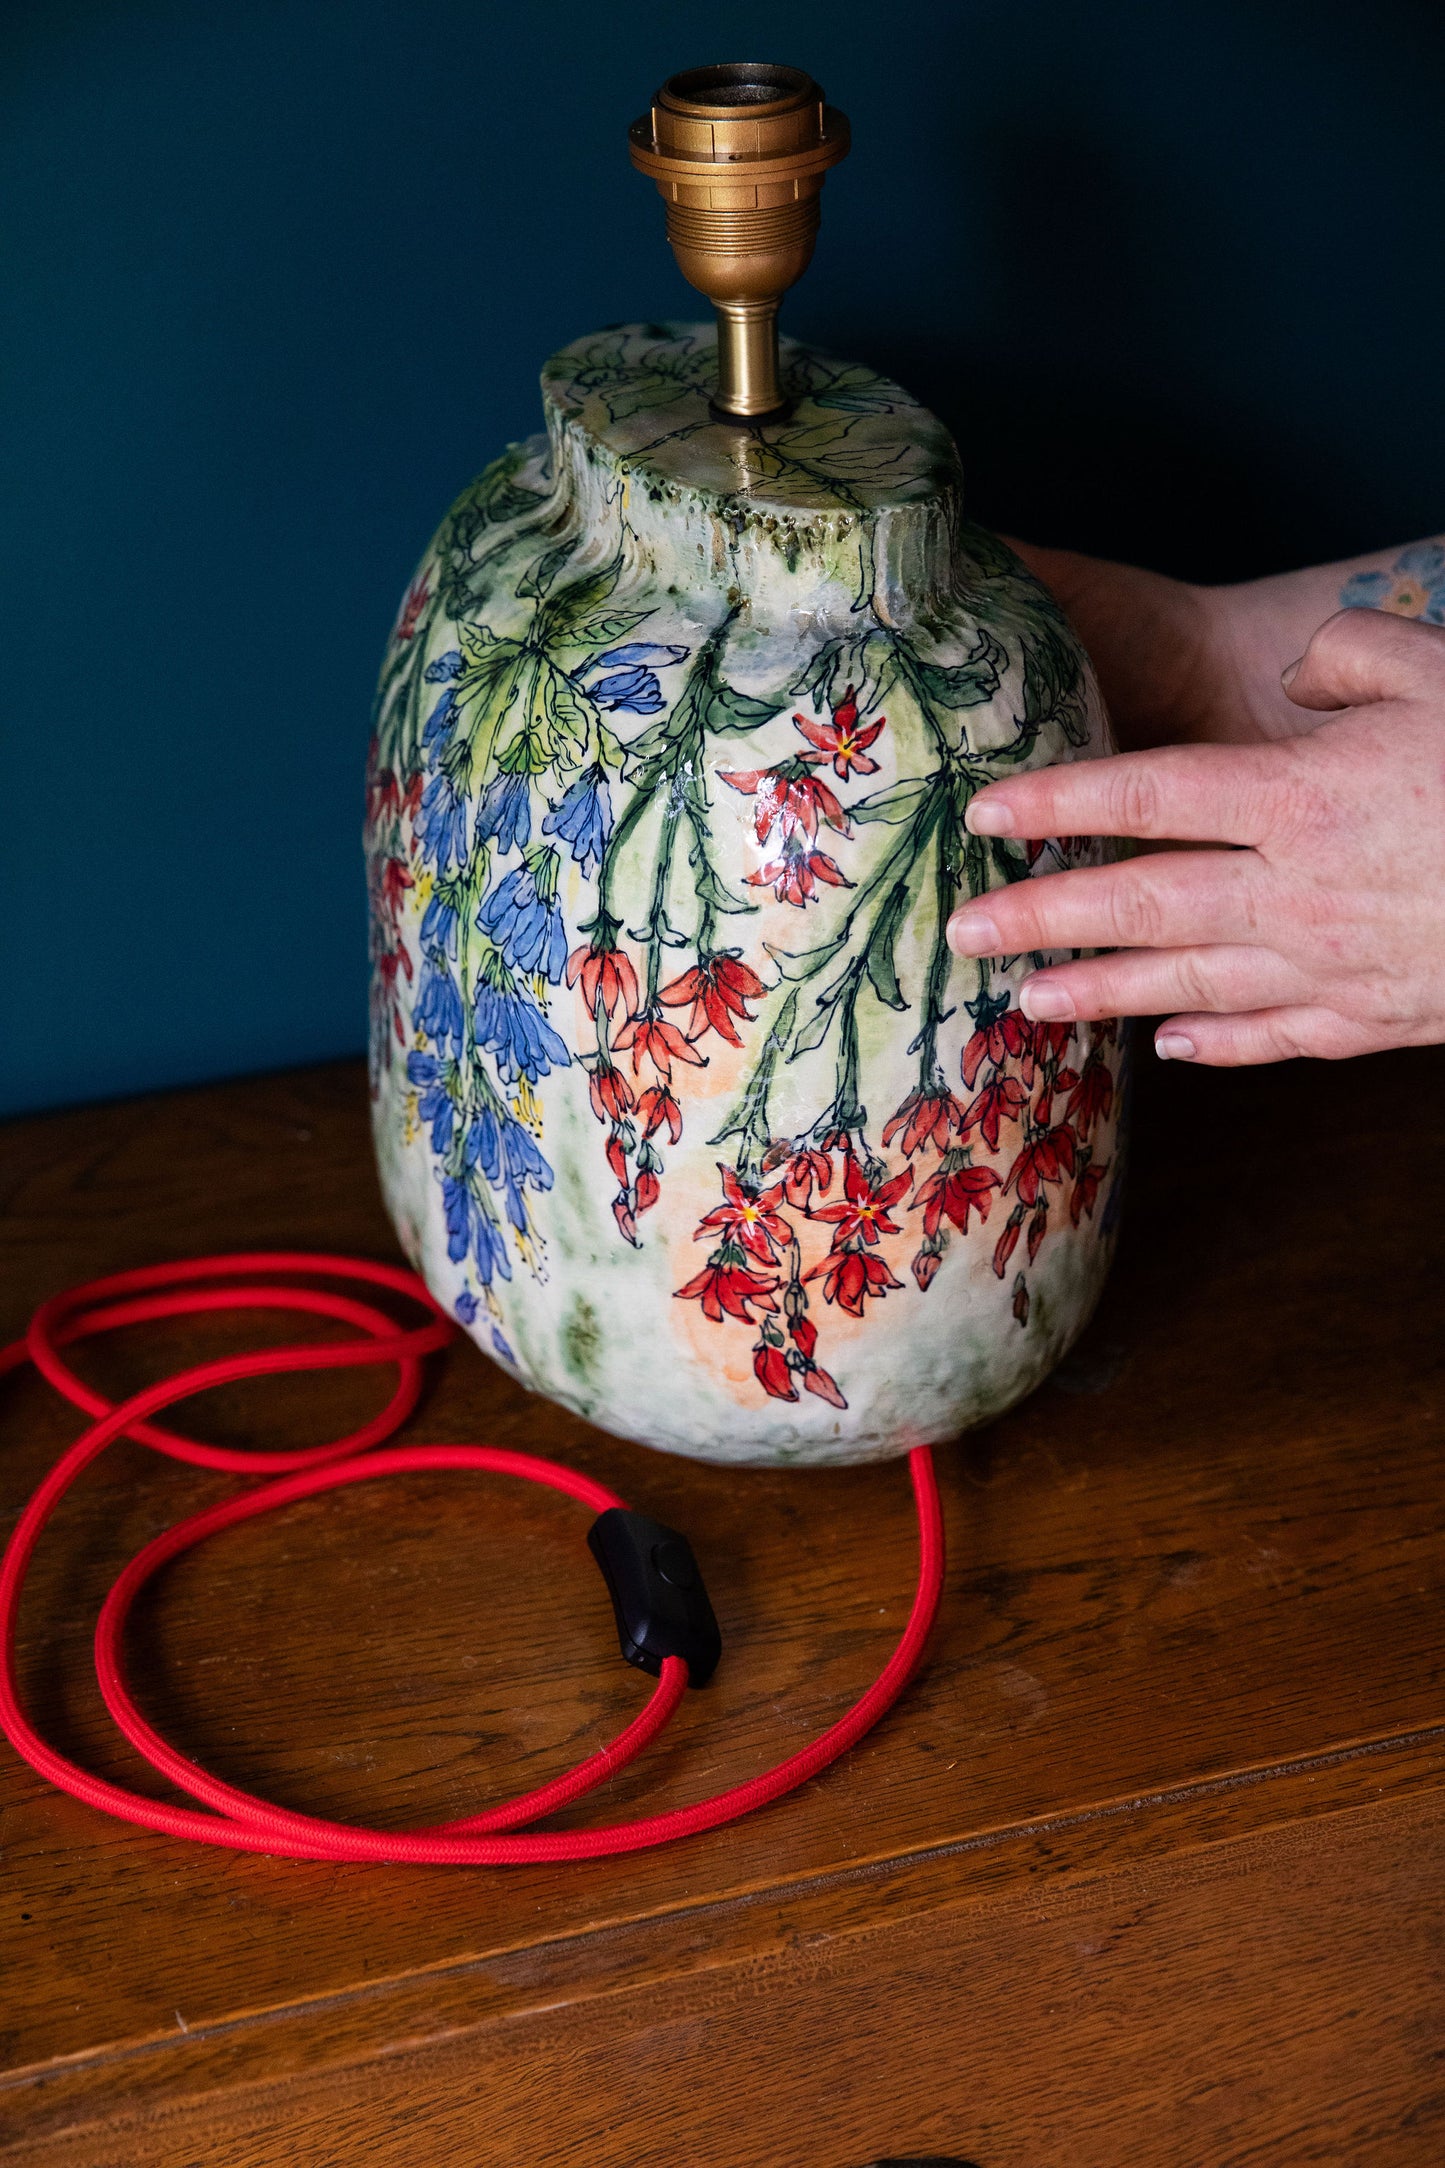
(1179, 663)
(1320, 927)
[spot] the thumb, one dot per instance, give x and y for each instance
(1359, 656)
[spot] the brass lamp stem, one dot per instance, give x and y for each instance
(747, 358)
(739, 153)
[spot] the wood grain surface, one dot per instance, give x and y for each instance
(1146, 1868)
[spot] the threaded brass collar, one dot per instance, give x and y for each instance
(739, 152)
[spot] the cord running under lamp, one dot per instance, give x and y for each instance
(238, 1819)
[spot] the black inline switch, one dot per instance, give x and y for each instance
(657, 1593)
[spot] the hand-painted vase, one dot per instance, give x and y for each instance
(682, 1104)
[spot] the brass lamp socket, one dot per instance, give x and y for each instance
(739, 152)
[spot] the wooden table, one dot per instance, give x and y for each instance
(1146, 1868)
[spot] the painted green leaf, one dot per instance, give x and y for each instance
(1055, 692)
(487, 666)
(545, 570)
(1011, 861)
(815, 1031)
(966, 684)
(878, 957)
(748, 1117)
(610, 626)
(895, 803)
(991, 558)
(729, 711)
(561, 615)
(712, 892)
(569, 712)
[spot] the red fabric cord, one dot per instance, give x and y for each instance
(235, 1818)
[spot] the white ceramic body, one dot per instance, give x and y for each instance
(681, 1103)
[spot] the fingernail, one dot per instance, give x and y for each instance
(988, 820)
(1287, 677)
(1045, 1001)
(1175, 1046)
(973, 933)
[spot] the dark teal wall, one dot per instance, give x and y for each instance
(279, 278)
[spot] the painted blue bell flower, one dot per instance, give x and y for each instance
(458, 1207)
(441, 823)
(513, 1028)
(524, 1158)
(438, 1010)
(434, 1102)
(489, 1247)
(437, 729)
(525, 923)
(501, 1348)
(524, 1164)
(444, 667)
(506, 812)
(439, 925)
(466, 1306)
(637, 690)
(630, 684)
(583, 819)
(483, 1147)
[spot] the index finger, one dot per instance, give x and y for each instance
(1176, 794)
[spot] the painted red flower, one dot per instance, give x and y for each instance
(1020, 1303)
(953, 1196)
(1038, 1228)
(1092, 1097)
(925, 1265)
(1051, 1040)
(793, 878)
(729, 1289)
(393, 961)
(1065, 847)
(395, 881)
(1002, 1101)
(804, 1169)
(662, 1044)
(719, 990)
(805, 1334)
(1008, 1241)
(418, 595)
(790, 802)
(841, 741)
(770, 1368)
(610, 1093)
(817, 1380)
(657, 1106)
(1007, 1033)
(927, 1117)
(748, 1217)
(607, 973)
(648, 1189)
(1045, 1160)
(622, 1213)
(617, 1157)
(1086, 1190)
(850, 1276)
(862, 1213)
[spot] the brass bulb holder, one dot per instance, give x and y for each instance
(739, 152)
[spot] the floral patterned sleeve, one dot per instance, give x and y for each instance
(1413, 586)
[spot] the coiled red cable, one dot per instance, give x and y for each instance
(235, 1818)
